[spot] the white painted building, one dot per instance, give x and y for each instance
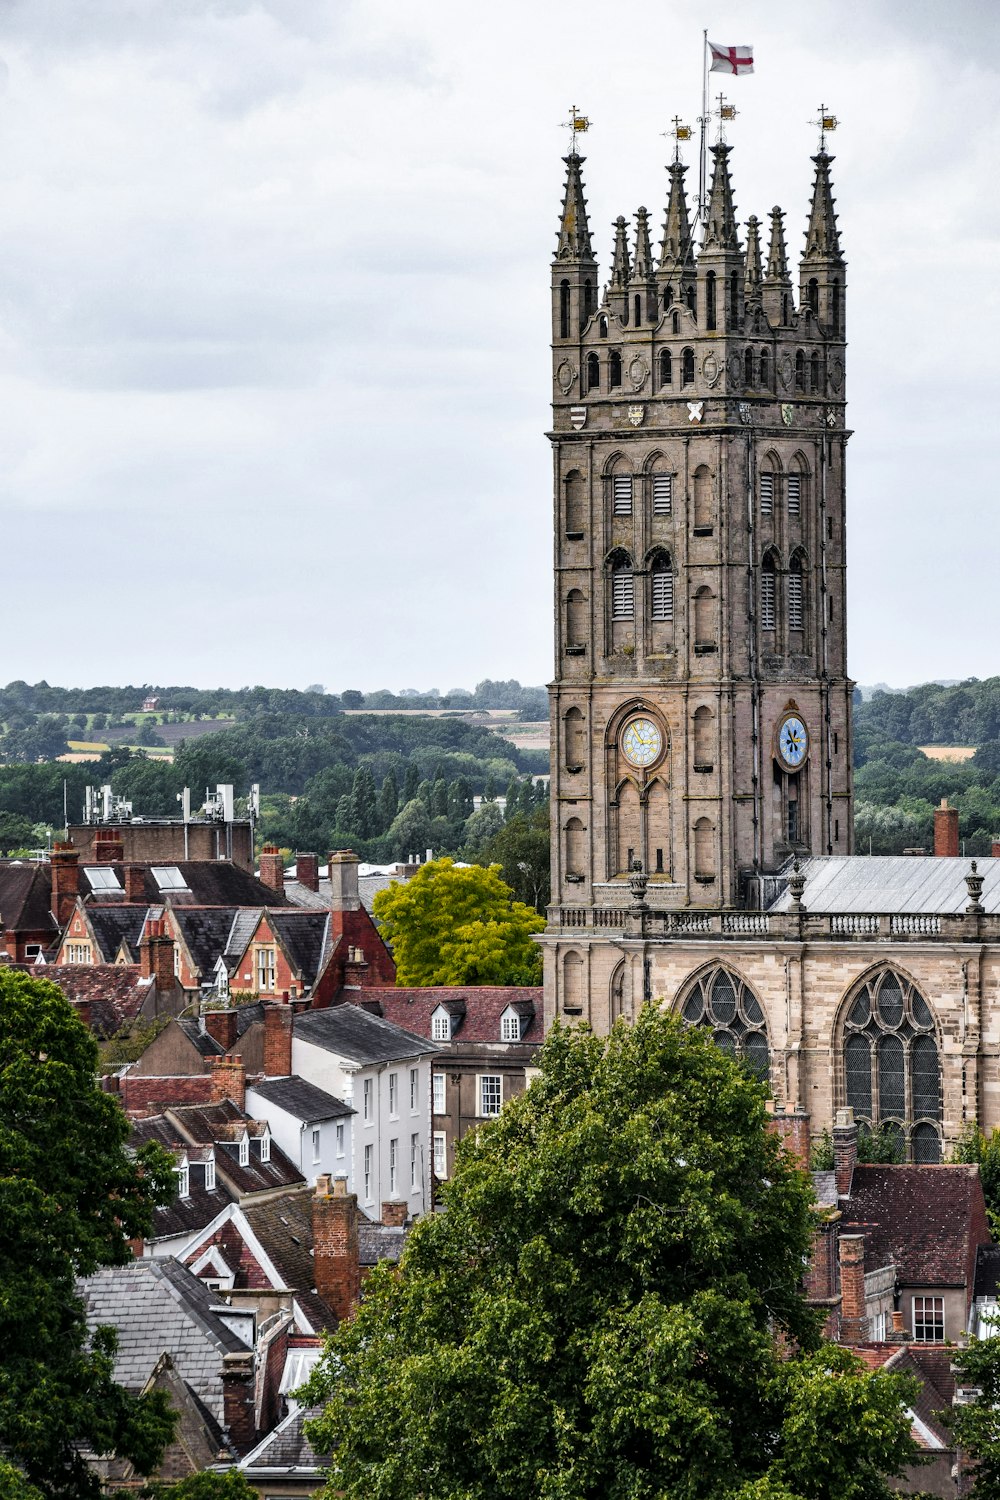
(311, 1126)
(384, 1073)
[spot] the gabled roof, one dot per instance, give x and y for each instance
(114, 992)
(182, 1215)
(305, 937)
(205, 932)
(25, 889)
(911, 883)
(202, 1124)
(359, 1036)
(304, 1101)
(283, 1226)
(206, 882)
(928, 1220)
(114, 925)
(286, 1450)
(481, 1007)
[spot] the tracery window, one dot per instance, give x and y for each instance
(892, 1071)
(730, 1009)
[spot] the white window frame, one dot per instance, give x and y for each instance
(414, 1161)
(368, 1173)
(366, 1099)
(439, 1083)
(340, 1140)
(440, 1140)
(930, 1315)
(484, 1082)
(393, 1165)
(440, 1026)
(244, 1151)
(316, 1137)
(210, 1175)
(510, 1026)
(265, 1146)
(183, 1172)
(393, 1096)
(267, 964)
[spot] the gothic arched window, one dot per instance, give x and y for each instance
(748, 367)
(661, 587)
(687, 367)
(666, 373)
(814, 373)
(690, 299)
(593, 373)
(765, 368)
(668, 297)
(721, 1001)
(589, 300)
(576, 495)
(892, 1072)
(796, 594)
(622, 587)
(564, 309)
(710, 300)
(614, 370)
(734, 299)
(800, 370)
(638, 311)
(768, 593)
(812, 295)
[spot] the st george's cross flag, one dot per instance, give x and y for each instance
(734, 60)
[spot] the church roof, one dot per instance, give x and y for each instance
(846, 883)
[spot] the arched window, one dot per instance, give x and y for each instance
(796, 593)
(748, 367)
(573, 983)
(704, 850)
(564, 309)
(666, 374)
(710, 318)
(734, 299)
(589, 299)
(784, 307)
(576, 850)
(637, 319)
(574, 740)
(576, 621)
(702, 499)
(892, 1071)
(704, 620)
(691, 299)
(812, 295)
(602, 326)
(768, 593)
(835, 308)
(687, 367)
(593, 373)
(668, 297)
(628, 826)
(614, 370)
(661, 587)
(765, 368)
(675, 323)
(622, 587)
(800, 370)
(618, 992)
(575, 500)
(704, 752)
(730, 1009)
(814, 383)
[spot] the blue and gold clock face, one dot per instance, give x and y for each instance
(793, 742)
(641, 742)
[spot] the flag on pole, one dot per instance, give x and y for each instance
(733, 60)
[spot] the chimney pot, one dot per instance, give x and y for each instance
(344, 881)
(322, 1185)
(845, 1150)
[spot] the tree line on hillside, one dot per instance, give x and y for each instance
(965, 713)
(898, 788)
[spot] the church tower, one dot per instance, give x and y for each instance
(701, 709)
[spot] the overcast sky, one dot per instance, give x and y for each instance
(274, 368)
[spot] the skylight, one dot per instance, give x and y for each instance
(169, 878)
(102, 878)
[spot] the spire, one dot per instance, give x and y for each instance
(720, 227)
(822, 237)
(675, 247)
(754, 275)
(574, 231)
(777, 255)
(620, 272)
(642, 269)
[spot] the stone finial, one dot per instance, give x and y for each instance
(638, 881)
(974, 885)
(796, 885)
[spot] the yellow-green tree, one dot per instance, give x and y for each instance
(459, 926)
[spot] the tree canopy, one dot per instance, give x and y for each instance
(976, 1424)
(610, 1306)
(71, 1198)
(453, 925)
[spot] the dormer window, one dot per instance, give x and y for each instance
(510, 1026)
(440, 1026)
(183, 1179)
(210, 1175)
(244, 1151)
(265, 1146)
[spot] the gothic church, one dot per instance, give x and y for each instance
(702, 816)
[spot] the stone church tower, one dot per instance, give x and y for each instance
(701, 709)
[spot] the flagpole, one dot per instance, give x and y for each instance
(703, 121)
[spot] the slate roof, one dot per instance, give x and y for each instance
(205, 1044)
(359, 1036)
(159, 1307)
(114, 925)
(209, 882)
(306, 939)
(243, 927)
(205, 930)
(25, 888)
(286, 1450)
(183, 1215)
(202, 1124)
(302, 1100)
(283, 1225)
(890, 883)
(114, 992)
(379, 1241)
(928, 1220)
(483, 1006)
(825, 1188)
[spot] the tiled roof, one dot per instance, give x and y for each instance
(198, 1208)
(305, 937)
(25, 889)
(379, 1241)
(286, 1450)
(858, 883)
(201, 1040)
(484, 1005)
(203, 1123)
(205, 930)
(114, 925)
(283, 1225)
(929, 1220)
(359, 1036)
(242, 930)
(114, 992)
(825, 1188)
(208, 882)
(159, 1307)
(300, 1099)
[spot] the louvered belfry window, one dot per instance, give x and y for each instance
(793, 490)
(621, 489)
(766, 494)
(622, 592)
(662, 582)
(663, 494)
(767, 615)
(733, 1013)
(892, 1070)
(795, 614)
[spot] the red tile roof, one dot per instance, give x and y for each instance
(484, 1005)
(928, 1220)
(110, 993)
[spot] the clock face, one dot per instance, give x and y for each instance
(641, 742)
(793, 742)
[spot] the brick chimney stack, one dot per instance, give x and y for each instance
(229, 1080)
(109, 847)
(335, 1246)
(278, 1020)
(307, 871)
(853, 1323)
(134, 882)
(272, 867)
(221, 1024)
(156, 955)
(344, 881)
(945, 831)
(238, 1399)
(793, 1129)
(845, 1150)
(64, 868)
(394, 1213)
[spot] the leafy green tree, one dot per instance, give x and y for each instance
(610, 1307)
(15, 831)
(459, 926)
(410, 831)
(70, 1200)
(411, 782)
(984, 1151)
(975, 1425)
(521, 848)
(364, 804)
(232, 1485)
(460, 804)
(439, 798)
(388, 801)
(479, 830)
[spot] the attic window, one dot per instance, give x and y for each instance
(169, 878)
(440, 1026)
(210, 1175)
(183, 1180)
(245, 1151)
(265, 1147)
(510, 1026)
(102, 879)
